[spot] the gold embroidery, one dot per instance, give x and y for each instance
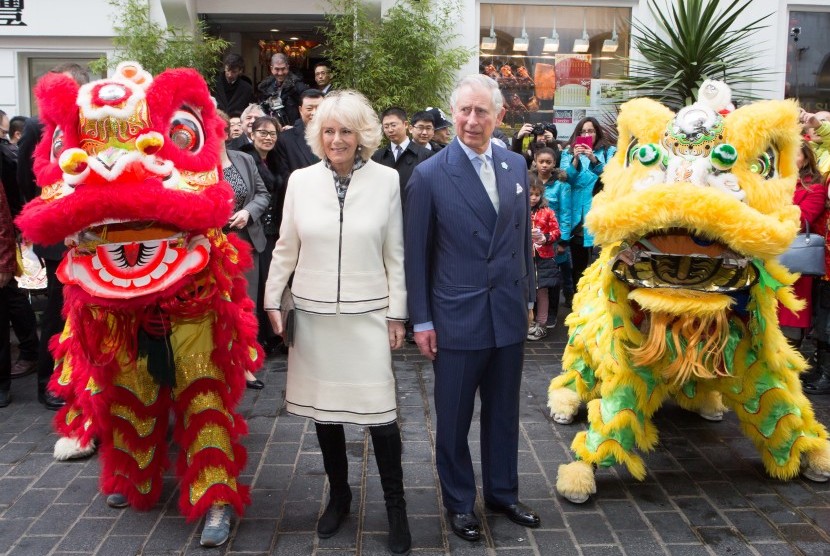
(203, 402)
(72, 414)
(142, 426)
(66, 371)
(190, 368)
(135, 378)
(92, 386)
(143, 458)
(210, 436)
(208, 477)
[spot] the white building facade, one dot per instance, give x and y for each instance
(35, 35)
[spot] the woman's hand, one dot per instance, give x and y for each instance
(276, 321)
(524, 131)
(239, 219)
(396, 333)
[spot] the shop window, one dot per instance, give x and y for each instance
(808, 60)
(566, 68)
(39, 66)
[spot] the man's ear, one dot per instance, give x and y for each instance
(500, 117)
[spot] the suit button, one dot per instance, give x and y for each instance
(489, 259)
(475, 233)
(514, 254)
(516, 282)
(492, 288)
(517, 224)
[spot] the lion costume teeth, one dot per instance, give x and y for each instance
(682, 301)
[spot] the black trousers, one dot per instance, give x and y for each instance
(51, 323)
(23, 321)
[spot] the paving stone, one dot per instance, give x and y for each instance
(699, 511)
(86, 534)
(589, 528)
(672, 527)
(294, 544)
(253, 535)
(622, 515)
(121, 545)
(31, 503)
(57, 519)
(638, 542)
(723, 540)
(31, 545)
(752, 526)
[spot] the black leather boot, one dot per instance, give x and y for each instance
(821, 384)
(332, 441)
(813, 371)
(386, 440)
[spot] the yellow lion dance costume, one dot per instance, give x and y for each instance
(682, 301)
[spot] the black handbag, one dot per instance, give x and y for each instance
(287, 311)
(806, 254)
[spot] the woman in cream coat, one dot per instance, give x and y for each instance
(342, 238)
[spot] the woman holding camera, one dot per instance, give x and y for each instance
(532, 137)
(584, 160)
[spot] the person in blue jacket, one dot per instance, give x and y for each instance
(584, 160)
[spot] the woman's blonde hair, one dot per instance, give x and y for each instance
(352, 110)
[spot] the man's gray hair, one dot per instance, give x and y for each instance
(279, 56)
(479, 81)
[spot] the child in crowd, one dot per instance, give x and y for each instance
(545, 234)
(558, 197)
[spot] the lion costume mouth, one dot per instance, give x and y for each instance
(678, 259)
(121, 260)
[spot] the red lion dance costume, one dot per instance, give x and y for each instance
(157, 315)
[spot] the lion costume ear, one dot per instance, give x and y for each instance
(641, 120)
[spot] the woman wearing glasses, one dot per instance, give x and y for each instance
(251, 200)
(264, 133)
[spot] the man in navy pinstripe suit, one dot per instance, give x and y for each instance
(469, 279)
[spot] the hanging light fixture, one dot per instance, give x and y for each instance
(582, 45)
(611, 45)
(551, 44)
(489, 43)
(520, 44)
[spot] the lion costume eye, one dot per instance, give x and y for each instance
(631, 154)
(57, 144)
(186, 131)
(766, 165)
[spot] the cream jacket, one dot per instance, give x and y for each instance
(350, 263)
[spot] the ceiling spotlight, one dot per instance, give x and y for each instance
(293, 38)
(521, 44)
(583, 44)
(611, 45)
(275, 30)
(552, 44)
(489, 43)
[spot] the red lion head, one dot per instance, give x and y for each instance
(130, 180)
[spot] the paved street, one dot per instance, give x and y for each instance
(705, 492)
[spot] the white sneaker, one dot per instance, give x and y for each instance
(536, 332)
(217, 526)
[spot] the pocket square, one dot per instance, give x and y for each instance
(519, 189)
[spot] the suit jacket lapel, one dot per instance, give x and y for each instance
(466, 180)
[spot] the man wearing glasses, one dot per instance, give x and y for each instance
(401, 153)
(280, 93)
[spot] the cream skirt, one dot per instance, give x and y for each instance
(340, 369)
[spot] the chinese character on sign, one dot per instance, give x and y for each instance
(11, 12)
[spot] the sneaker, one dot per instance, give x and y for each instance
(536, 333)
(217, 526)
(552, 322)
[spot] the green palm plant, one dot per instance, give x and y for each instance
(694, 40)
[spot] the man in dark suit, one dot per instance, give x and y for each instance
(292, 149)
(401, 153)
(469, 279)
